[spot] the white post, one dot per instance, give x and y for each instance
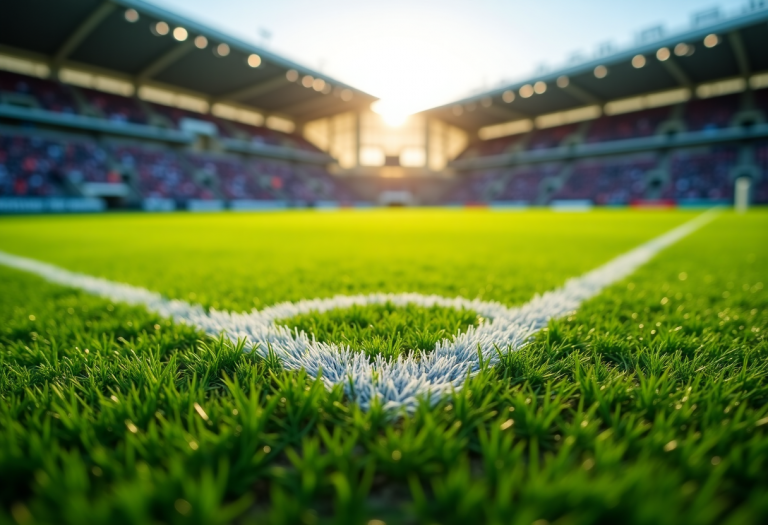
(741, 194)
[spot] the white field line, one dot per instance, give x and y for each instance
(397, 383)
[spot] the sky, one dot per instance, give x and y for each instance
(416, 54)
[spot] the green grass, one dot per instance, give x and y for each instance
(385, 329)
(648, 405)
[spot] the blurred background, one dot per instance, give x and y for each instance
(201, 106)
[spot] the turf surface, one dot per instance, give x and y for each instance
(648, 405)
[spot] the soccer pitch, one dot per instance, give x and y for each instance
(645, 403)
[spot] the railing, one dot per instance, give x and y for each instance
(615, 147)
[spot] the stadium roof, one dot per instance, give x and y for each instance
(98, 35)
(740, 52)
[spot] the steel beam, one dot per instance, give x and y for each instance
(255, 90)
(162, 62)
(582, 95)
(674, 69)
(306, 106)
(740, 53)
(334, 107)
(506, 113)
(85, 28)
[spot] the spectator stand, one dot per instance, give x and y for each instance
(115, 108)
(230, 176)
(32, 92)
(702, 174)
(43, 163)
(612, 182)
(160, 173)
(638, 124)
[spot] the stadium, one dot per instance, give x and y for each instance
(234, 290)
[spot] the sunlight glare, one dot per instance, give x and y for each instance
(394, 114)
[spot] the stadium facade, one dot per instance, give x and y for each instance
(120, 103)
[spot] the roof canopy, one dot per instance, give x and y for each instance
(740, 51)
(104, 36)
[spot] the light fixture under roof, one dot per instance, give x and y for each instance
(221, 50)
(307, 81)
(486, 102)
(508, 96)
(180, 34)
(601, 71)
(318, 84)
(292, 75)
(663, 54)
(160, 28)
(563, 81)
(201, 42)
(254, 60)
(711, 40)
(540, 87)
(682, 49)
(526, 91)
(346, 95)
(131, 15)
(638, 61)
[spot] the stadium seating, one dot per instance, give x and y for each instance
(48, 94)
(58, 166)
(702, 174)
(711, 113)
(521, 185)
(160, 173)
(45, 167)
(58, 97)
(490, 147)
(524, 183)
(550, 137)
(695, 175)
(627, 126)
(607, 181)
(114, 107)
(235, 179)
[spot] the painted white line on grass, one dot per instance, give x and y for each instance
(397, 383)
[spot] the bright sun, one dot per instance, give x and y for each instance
(393, 114)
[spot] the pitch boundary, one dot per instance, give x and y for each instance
(397, 383)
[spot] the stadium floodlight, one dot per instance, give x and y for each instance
(292, 75)
(131, 15)
(201, 42)
(638, 61)
(346, 95)
(318, 84)
(180, 34)
(307, 81)
(601, 71)
(540, 87)
(563, 81)
(526, 91)
(221, 50)
(508, 96)
(683, 49)
(160, 28)
(663, 54)
(254, 60)
(711, 40)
